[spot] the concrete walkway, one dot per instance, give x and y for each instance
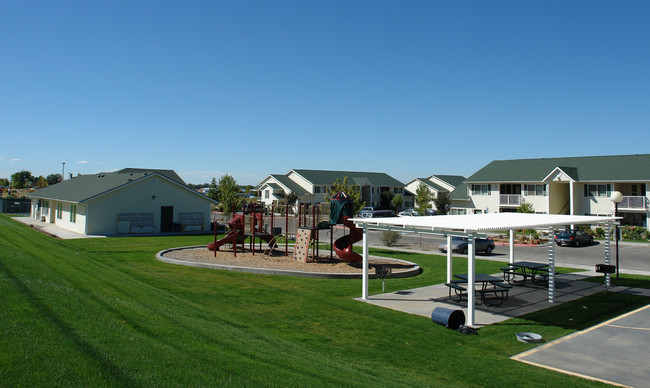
(51, 229)
(521, 300)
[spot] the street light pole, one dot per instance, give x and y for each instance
(617, 197)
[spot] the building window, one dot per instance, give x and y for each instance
(73, 213)
(480, 189)
(539, 190)
(598, 191)
(266, 194)
(316, 189)
(59, 210)
(397, 190)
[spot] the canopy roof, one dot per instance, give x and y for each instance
(471, 225)
(480, 222)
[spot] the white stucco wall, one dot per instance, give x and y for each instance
(147, 195)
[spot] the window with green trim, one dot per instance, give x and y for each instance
(73, 213)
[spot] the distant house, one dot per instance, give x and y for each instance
(576, 186)
(129, 201)
(436, 184)
(312, 186)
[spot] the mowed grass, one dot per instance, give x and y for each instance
(105, 312)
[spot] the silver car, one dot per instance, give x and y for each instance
(460, 244)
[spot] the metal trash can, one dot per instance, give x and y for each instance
(451, 319)
(605, 268)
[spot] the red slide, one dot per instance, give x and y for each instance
(343, 245)
(231, 238)
(235, 235)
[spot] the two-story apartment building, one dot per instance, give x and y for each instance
(435, 184)
(312, 186)
(574, 185)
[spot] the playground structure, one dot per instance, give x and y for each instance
(341, 210)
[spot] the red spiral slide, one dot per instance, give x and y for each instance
(343, 245)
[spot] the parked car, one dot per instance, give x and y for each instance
(370, 212)
(366, 212)
(573, 237)
(254, 208)
(460, 244)
(408, 213)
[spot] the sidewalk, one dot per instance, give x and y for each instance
(52, 229)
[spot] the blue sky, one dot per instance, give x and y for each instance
(249, 88)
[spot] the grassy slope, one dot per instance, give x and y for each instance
(105, 312)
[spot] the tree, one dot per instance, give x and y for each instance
(526, 207)
(213, 191)
(53, 179)
(292, 198)
(386, 198)
(397, 202)
(228, 194)
(22, 179)
(442, 202)
(354, 191)
(41, 182)
(423, 198)
(4, 182)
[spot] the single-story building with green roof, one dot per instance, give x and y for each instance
(128, 201)
(312, 186)
(571, 185)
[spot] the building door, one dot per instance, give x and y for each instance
(166, 219)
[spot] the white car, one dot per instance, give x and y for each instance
(408, 213)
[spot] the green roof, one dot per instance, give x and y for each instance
(459, 193)
(453, 180)
(291, 185)
(321, 177)
(618, 168)
(85, 187)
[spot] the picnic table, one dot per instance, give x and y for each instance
(525, 270)
(493, 291)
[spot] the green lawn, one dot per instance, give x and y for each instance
(105, 312)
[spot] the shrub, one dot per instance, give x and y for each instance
(390, 237)
(599, 232)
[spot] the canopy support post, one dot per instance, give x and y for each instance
(608, 277)
(471, 279)
(512, 246)
(551, 266)
(449, 261)
(364, 285)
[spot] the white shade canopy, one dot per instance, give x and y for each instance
(481, 222)
(472, 225)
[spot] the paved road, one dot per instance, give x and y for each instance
(633, 257)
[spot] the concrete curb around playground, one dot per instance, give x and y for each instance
(413, 271)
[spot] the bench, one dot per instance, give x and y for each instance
(543, 273)
(500, 291)
(458, 290)
(509, 274)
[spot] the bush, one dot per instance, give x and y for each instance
(599, 232)
(390, 237)
(634, 233)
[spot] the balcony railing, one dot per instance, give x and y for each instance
(510, 199)
(633, 202)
